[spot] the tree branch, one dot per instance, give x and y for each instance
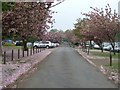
(57, 3)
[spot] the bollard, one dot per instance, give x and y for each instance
(23, 53)
(4, 58)
(88, 51)
(28, 52)
(18, 53)
(36, 50)
(110, 58)
(31, 51)
(12, 55)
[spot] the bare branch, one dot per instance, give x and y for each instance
(57, 3)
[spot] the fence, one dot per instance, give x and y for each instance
(16, 54)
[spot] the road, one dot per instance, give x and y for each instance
(65, 68)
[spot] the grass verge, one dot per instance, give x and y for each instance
(104, 54)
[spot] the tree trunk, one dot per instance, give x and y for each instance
(114, 50)
(101, 49)
(25, 48)
(90, 44)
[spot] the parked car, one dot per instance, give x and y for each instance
(15, 42)
(56, 44)
(19, 43)
(43, 44)
(8, 41)
(95, 46)
(117, 47)
(29, 44)
(107, 47)
(36, 44)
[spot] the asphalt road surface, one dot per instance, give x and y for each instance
(65, 68)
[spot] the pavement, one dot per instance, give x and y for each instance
(65, 68)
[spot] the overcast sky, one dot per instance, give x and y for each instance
(70, 10)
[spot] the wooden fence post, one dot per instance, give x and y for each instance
(23, 53)
(31, 51)
(28, 52)
(12, 55)
(18, 53)
(4, 58)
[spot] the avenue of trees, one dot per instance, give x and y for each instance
(100, 25)
(24, 21)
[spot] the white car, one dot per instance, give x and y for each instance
(96, 46)
(43, 44)
(107, 47)
(36, 44)
(56, 44)
(29, 44)
(117, 48)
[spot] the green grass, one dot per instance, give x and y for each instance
(115, 66)
(15, 47)
(104, 54)
(9, 44)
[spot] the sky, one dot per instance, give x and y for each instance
(70, 10)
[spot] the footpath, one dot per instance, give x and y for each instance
(100, 63)
(13, 71)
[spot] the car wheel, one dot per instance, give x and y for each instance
(35, 46)
(47, 47)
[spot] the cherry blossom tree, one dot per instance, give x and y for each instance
(53, 35)
(103, 24)
(26, 19)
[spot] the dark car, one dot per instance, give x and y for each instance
(19, 44)
(7, 41)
